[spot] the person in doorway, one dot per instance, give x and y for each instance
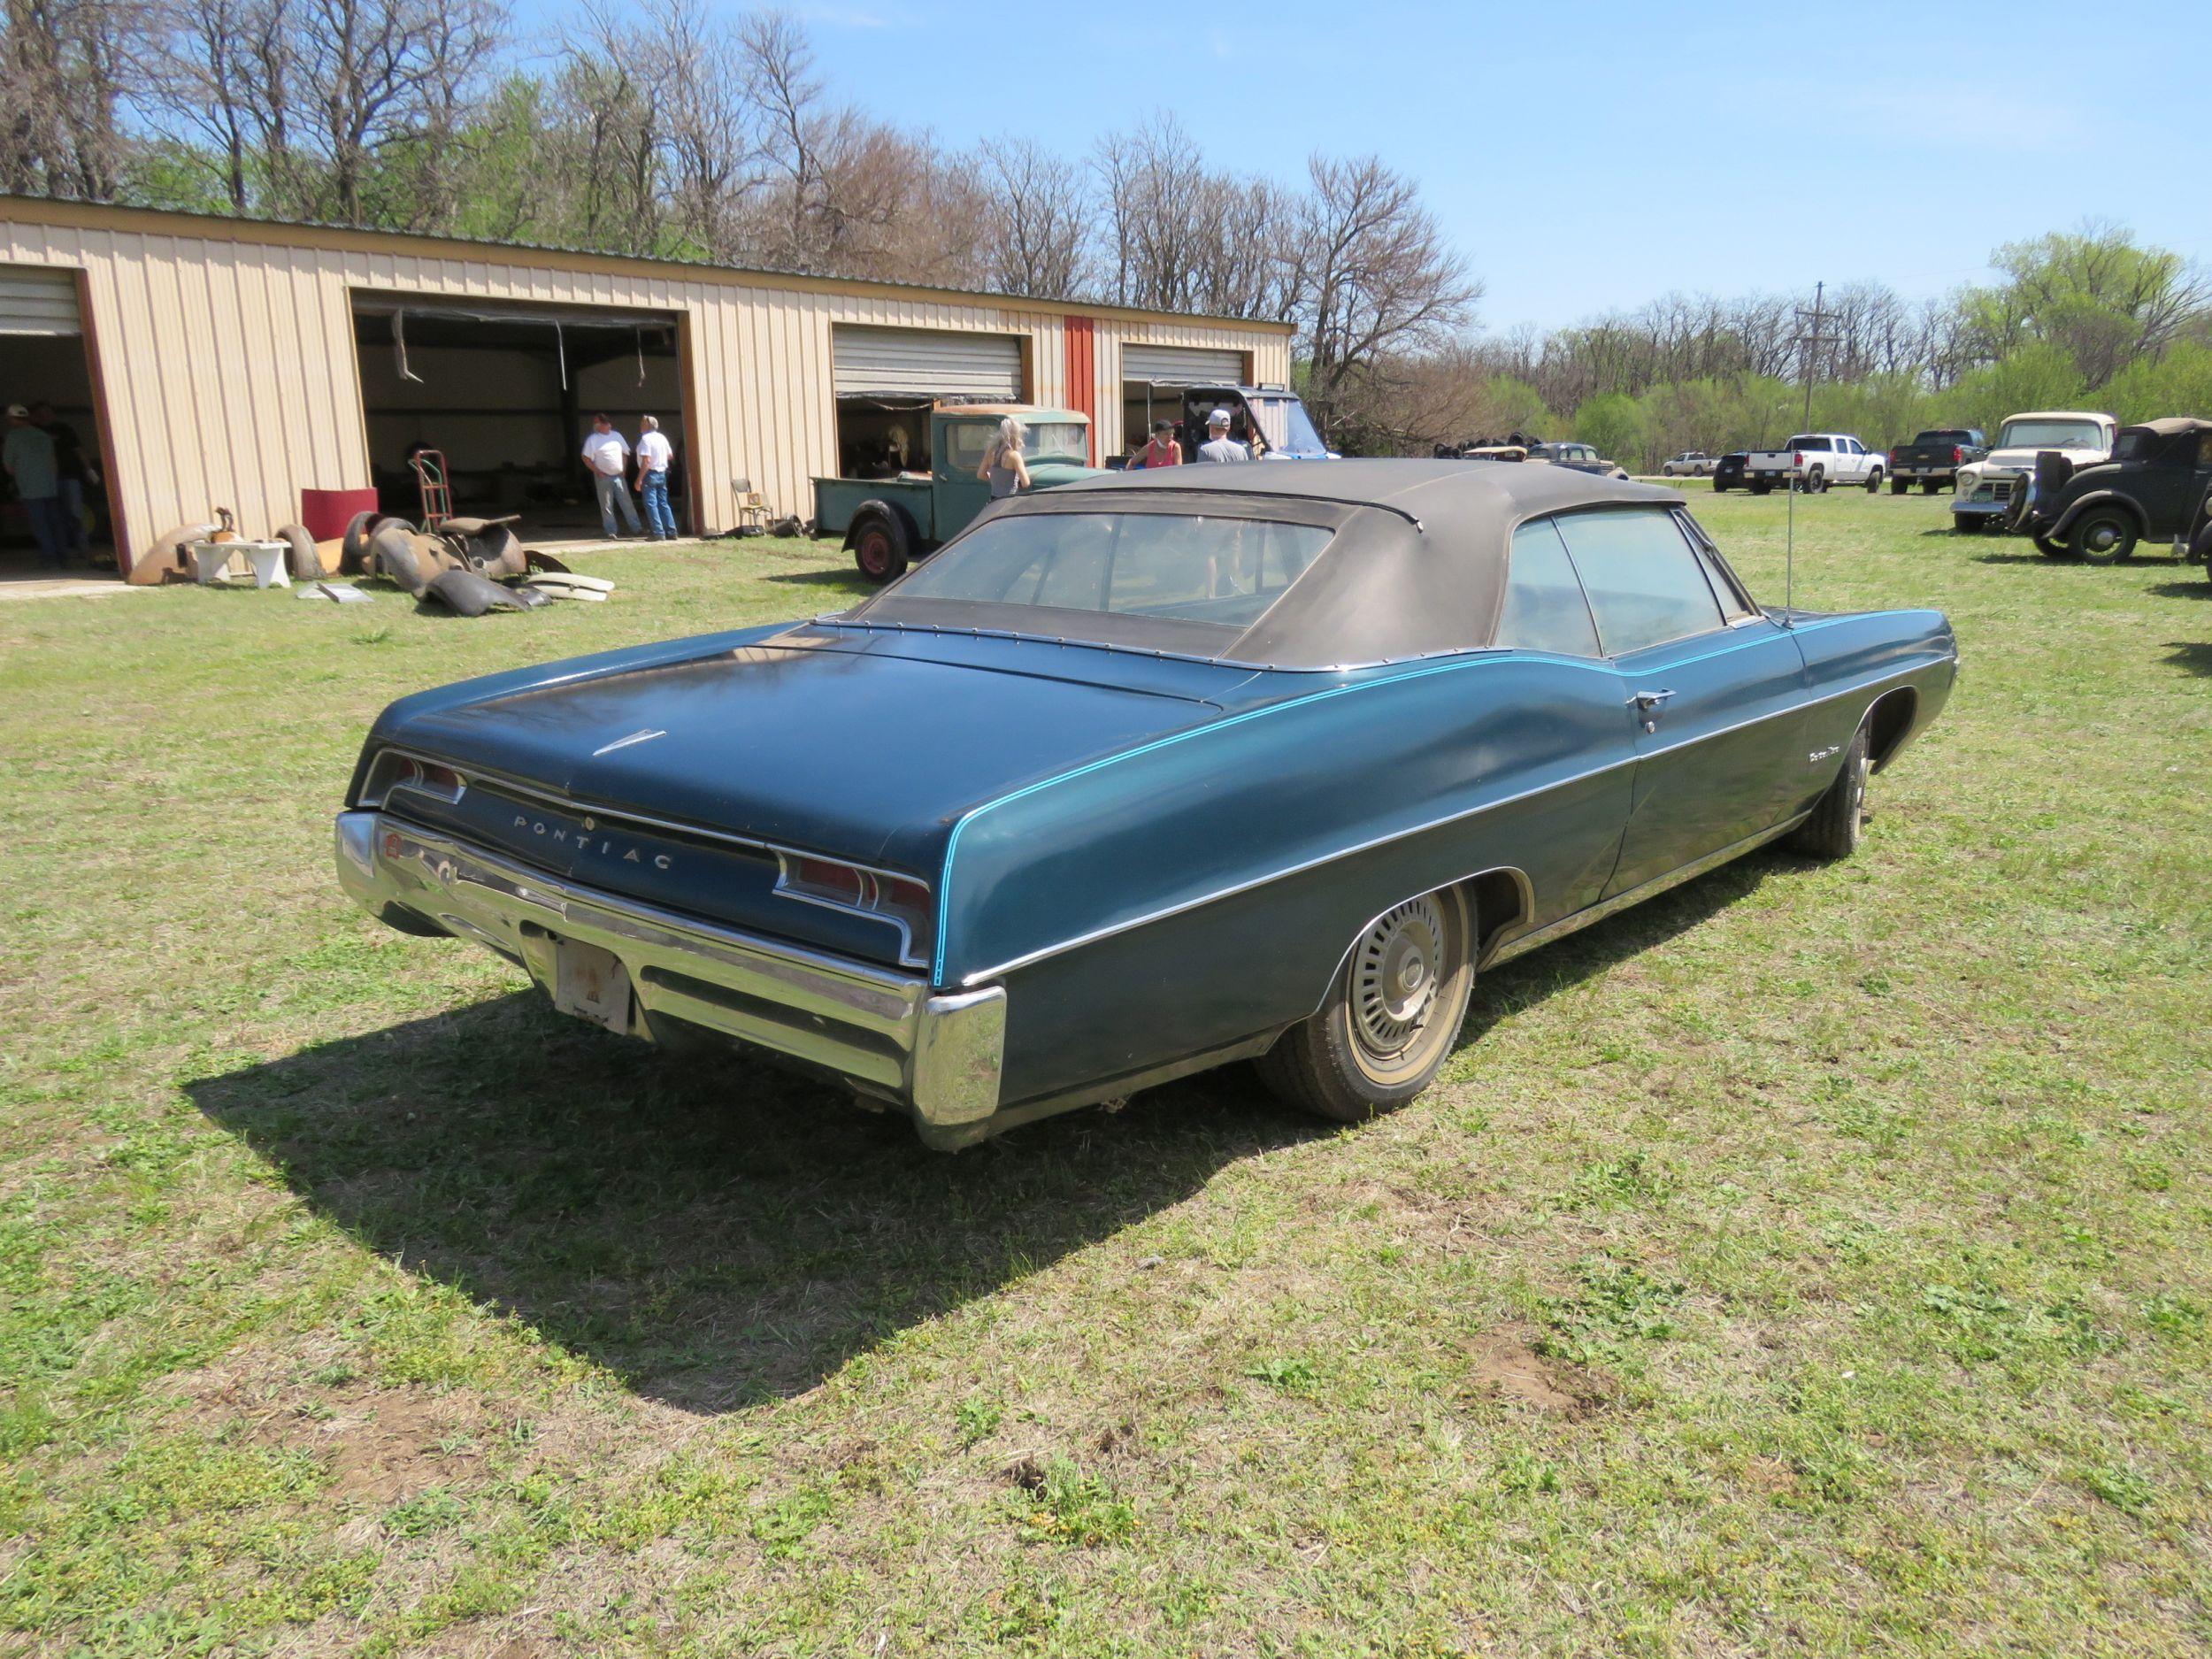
(654, 453)
(1162, 450)
(76, 474)
(1003, 467)
(28, 455)
(607, 453)
(1219, 446)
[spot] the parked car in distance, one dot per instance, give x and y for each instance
(2153, 488)
(1984, 493)
(890, 522)
(1689, 464)
(1580, 457)
(1728, 471)
(1932, 459)
(1814, 461)
(1141, 776)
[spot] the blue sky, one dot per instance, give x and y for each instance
(1592, 156)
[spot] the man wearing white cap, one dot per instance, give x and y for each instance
(1219, 446)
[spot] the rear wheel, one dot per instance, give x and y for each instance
(1839, 818)
(2104, 535)
(1390, 1017)
(880, 547)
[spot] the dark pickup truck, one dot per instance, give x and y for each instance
(1932, 459)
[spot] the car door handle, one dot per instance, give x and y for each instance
(1648, 704)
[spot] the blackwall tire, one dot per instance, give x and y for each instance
(880, 547)
(1898, 486)
(1874, 482)
(1966, 524)
(1839, 821)
(1391, 1016)
(2104, 535)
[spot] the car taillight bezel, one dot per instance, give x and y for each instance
(396, 770)
(885, 896)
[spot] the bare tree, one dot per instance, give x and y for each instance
(223, 72)
(63, 68)
(382, 80)
(1038, 228)
(1378, 282)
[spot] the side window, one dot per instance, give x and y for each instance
(1645, 583)
(965, 441)
(1544, 607)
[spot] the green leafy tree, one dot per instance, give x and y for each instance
(2095, 295)
(1614, 426)
(2179, 383)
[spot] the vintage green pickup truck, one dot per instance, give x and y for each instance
(886, 522)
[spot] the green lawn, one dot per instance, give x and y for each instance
(1816, 1259)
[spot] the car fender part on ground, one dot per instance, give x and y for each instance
(167, 552)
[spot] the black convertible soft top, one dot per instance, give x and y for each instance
(1417, 566)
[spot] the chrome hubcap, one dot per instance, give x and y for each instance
(1394, 976)
(2102, 536)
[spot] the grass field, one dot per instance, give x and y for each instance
(1816, 1259)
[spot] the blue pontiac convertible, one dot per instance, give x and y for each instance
(1142, 776)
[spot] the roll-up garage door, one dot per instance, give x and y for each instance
(38, 302)
(1182, 365)
(925, 362)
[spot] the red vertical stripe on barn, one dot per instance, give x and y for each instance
(1080, 334)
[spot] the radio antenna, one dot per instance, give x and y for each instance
(1809, 343)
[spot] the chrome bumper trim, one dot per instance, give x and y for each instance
(882, 1032)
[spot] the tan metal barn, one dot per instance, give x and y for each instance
(233, 363)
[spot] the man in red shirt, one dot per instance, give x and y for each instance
(1162, 450)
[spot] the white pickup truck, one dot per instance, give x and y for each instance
(1814, 461)
(1985, 491)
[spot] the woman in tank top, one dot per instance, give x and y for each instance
(1003, 467)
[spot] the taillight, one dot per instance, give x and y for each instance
(1798, 458)
(404, 771)
(851, 887)
(1957, 455)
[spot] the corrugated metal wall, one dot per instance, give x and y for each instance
(228, 376)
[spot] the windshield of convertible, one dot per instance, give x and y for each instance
(1184, 567)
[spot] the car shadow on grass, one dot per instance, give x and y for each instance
(720, 1233)
(1525, 980)
(716, 1232)
(2200, 588)
(2191, 659)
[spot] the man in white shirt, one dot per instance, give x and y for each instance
(607, 454)
(654, 452)
(1219, 446)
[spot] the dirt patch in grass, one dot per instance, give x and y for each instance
(1504, 1365)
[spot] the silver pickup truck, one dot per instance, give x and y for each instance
(1814, 461)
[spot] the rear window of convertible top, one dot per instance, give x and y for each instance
(1185, 567)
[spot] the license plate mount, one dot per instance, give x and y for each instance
(592, 984)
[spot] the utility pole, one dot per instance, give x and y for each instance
(1809, 347)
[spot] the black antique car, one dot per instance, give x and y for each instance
(2153, 488)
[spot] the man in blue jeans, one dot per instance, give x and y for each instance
(608, 455)
(28, 455)
(654, 452)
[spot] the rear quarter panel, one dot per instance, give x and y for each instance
(1202, 889)
(1854, 662)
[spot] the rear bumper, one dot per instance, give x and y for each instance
(881, 1032)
